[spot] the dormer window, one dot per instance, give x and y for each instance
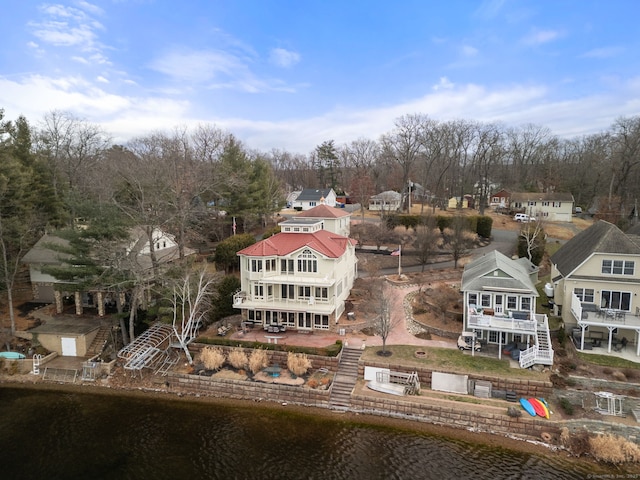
(307, 262)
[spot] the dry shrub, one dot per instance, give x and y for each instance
(619, 376)
(325, 381)
(258, 360)
(565, 436)
(613, 449)
(578, 443)
(237, 359)
(630, 373)
(212, 358)
(298, 363)
(313, 383)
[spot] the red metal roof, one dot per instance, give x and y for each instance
(326, 243)
(323, 211)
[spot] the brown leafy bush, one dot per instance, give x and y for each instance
(313, 383)
(237, 359)
(578, 443)
(258, 360)
(298, 363)
(613, 449)
(631, 373)
(619, 376)
(212, 358)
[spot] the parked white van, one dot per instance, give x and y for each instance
(523, 217)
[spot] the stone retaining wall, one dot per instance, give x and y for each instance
(242, 389)
(522, 387)
(491, 422)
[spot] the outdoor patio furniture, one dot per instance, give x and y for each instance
(622, 345)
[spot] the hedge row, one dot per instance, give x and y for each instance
(480, 224)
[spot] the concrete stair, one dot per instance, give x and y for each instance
(345, 379)
(99, 341)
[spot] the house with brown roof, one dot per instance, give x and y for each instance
(596, 283)
(552, 206)
(301, 277)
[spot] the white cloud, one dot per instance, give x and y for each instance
(101, 79)
(215, 69)
(604, 52)
(283, 58)
(443, 84)
(65, 26)
(469, 51)
(125, 117)
(197, 66)
(539, 37)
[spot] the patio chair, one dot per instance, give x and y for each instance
(622, 345)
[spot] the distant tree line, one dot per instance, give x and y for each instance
(202, 184)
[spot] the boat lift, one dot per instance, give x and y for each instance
(608, 403)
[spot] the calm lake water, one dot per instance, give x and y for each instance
(62, 435)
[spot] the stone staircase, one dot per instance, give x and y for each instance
(345, 379)
(99, 341)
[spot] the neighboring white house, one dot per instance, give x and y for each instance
(301, 277)
(389, 201)
(312, 197)
(596, 283)
(334, 219)
(499, 306)
(555, 206)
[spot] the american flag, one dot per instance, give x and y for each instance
(396, 252)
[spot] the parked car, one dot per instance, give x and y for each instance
(465, 340)
(523, 217)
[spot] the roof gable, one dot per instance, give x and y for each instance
(540, 197)
(496, 270)
(323, 211)
(324, 242)
(313, 194)
(601, 237)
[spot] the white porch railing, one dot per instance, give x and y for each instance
(488, 322)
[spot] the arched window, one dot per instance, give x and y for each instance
(307, 262)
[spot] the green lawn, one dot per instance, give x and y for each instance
(607, 361)
(450, 360)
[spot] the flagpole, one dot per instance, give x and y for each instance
(399, 260)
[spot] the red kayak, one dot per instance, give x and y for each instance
(538, 407)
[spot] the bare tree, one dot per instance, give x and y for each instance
(191, 301)
(428, 240)
(403, 147)
(458, 239)
(531, 234)
(443, 298)
(384, 323)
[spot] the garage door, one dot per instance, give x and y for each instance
(68, 347)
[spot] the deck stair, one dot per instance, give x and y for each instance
(345, 379)
(64, 375)
(541, 352)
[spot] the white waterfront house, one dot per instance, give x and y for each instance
(301, 277)
(499, 306)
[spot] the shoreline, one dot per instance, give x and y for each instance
(448, 433)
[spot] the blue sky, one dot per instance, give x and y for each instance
(292, 74)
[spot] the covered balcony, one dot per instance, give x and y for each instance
(621, 328)
(533, 325)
